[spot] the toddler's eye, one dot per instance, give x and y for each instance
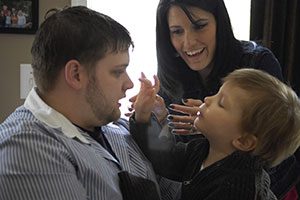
(221, 102)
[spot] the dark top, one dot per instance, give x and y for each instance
(253, 56)
(287, 174)
(237, 176)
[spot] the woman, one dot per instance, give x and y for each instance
(196, 48)
(195, 39)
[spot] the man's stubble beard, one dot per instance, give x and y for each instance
(98, 103)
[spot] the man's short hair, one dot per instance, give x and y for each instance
(74, 33)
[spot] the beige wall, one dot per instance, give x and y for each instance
(14, 50)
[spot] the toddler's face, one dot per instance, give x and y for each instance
(219, 118)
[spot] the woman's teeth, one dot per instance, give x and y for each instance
(192, 53)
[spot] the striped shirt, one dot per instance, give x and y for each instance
(44, 156)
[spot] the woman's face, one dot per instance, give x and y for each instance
(195, 44)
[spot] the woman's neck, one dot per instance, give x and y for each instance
(206, 71)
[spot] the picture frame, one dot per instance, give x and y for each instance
(19, 16)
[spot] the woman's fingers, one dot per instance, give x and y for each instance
(182, 118)
(185, 132)
(180, 125)
(192, 102)
(189, 110)
(180, 128)
(183, 124)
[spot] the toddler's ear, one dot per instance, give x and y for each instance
(245, 143)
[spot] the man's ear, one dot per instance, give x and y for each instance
(74, 74)
(245, 143)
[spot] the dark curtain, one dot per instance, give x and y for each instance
(276, 24)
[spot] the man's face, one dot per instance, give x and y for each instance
(107, 85)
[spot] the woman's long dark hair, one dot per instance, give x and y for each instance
(173, 72)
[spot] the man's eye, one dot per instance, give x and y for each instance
(118, 72)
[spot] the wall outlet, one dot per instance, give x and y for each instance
(26, 80)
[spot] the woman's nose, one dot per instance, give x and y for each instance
(190, 38)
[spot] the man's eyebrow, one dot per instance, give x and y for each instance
(125, 65)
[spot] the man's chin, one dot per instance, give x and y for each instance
(116, 115)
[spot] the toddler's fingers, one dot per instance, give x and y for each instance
(133, 99)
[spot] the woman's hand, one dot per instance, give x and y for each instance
(184, 124)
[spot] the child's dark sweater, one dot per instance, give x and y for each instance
(238, 176)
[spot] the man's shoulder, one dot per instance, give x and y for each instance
(120, 126)
(123, 123)
(20, 123)
(20, 119)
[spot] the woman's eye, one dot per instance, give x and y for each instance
(176, 31)
(200, 26)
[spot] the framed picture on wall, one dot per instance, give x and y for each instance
(19, 16)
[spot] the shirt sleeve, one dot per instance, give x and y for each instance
(158, 144)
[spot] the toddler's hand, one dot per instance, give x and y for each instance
(144, 101)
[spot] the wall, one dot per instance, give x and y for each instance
(14, 50)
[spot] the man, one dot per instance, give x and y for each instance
(61, 143)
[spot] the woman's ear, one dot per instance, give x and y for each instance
(245, 143)
(74, 74)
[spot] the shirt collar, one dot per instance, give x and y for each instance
(51, 117)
